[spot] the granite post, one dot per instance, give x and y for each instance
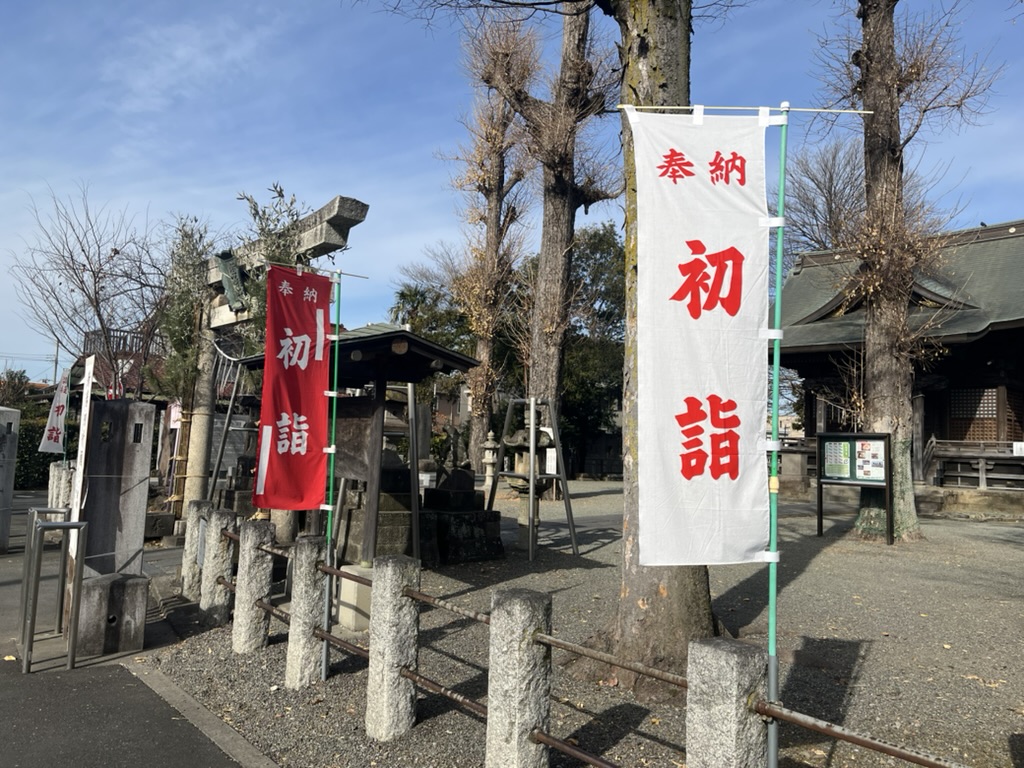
(10, 419)
(60, 485)
(519, 679)
(215, 601)
(302, 665)
(191, 571)
(255, 577)
(394, 630)
(724, 677)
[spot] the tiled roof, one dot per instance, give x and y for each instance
(977, 286)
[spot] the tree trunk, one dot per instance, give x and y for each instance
(482, 383)
(555, 128)
(551, 288)
(889, 381)
(660, 609)
(888, 277)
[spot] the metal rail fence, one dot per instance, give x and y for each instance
(538, 735)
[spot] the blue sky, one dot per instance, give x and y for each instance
(166, 107)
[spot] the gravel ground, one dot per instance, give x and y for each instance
(917, 644)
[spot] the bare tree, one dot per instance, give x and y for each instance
(660, 609)
(573, 176)
(825, 203)
(478, 275)
(909, 74)
(93, 281)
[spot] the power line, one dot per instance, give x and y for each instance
(31, 358)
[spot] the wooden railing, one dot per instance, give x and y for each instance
(981, 464)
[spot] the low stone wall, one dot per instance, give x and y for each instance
(932, 501)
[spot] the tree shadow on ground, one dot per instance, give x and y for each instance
(821, 677)
(602, 732)
(1017, 749)
(616, 491)
(552, 553)
(743, 604)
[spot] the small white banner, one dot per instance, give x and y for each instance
(53, 436)
(702, 305)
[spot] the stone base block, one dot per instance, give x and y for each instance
(448, 537)
(354, 604)
(393, 534)
(158, 525)
(462, 500)
(113, 614)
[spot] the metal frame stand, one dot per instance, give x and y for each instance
(30, 583)
(533, 476)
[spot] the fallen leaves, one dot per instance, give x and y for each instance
(984, 682)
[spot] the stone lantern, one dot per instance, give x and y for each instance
(518, 443)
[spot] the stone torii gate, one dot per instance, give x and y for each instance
(322, 232)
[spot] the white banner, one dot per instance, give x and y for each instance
(53, 436)
(79, 487)
(702, 302)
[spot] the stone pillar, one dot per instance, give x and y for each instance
(724, 677)
(394, 630)
(117, 461)
(61, 482)
(10, 419)
(200, 433)
(519, 679)
(255, 577)
(286, 525)
(215, 601)
(308, 583)
(191, 573)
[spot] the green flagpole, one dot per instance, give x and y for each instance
(334, 416)
(325, 658)
(773, 482)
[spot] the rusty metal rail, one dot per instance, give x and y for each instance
(607, 658)
(284, 552)
(332, 571)
(435, 687)
(438, 602)
(343, 645)
(768, 709)
(571, 750)
(283, 616)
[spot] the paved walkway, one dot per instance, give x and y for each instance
(121, 711)
(109, 711)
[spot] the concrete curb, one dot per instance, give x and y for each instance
(211, 726)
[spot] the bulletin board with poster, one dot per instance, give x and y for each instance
(856, 459)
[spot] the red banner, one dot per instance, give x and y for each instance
(291, 470)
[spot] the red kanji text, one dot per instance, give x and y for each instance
(675, 166)
(717, 452)
(710, 282)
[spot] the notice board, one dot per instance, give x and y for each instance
(858, 459)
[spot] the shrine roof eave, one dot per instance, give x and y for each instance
(389, 352)
(836, 334)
